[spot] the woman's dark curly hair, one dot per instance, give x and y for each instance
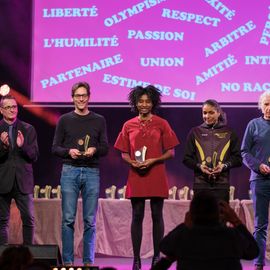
(151, 91)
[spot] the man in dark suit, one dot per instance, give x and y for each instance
(18, 150)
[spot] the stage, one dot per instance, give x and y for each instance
(113, 243)
(122, 263)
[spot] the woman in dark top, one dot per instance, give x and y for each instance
(211, 150)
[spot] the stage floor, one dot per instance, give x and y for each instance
(121, 263)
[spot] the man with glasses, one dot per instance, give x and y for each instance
(18, 150)
(80, 140)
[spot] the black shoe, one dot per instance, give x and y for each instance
(136, 263)
(258, 267)
(155, 260)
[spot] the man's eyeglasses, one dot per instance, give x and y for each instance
(9, 108)
(77, 96)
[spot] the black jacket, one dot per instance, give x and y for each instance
(16, 163)
(210, 145)
(209, 247)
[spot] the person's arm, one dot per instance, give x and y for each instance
(169, 142)
(247, 243)
(102, 148)
(57, 148)
(234, 159)
(27, 143)
(190, 156)
(172, 241)
(250, 249)
(151, 161)
(133, 163)
(227, 214)
(246, 149)
(190, 159)
(250, 160)
(4, 144)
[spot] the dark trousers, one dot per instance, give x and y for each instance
(220, 194)
(138, 205)
(24, 203)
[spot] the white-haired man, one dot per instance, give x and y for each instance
(256, 156)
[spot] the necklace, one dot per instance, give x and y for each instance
(144, 126)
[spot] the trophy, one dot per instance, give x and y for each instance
(140, 154)
(56, 192)
(211, 162)
(110, 192)
(214, 159)
(183, 193)
(45, 192)
(172, 193)
(191, 194)
(83, 144)
(232, 191)
(36, 191)
(122, 193)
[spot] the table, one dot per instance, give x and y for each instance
(113, 225)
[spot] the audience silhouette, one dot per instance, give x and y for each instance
(211, 237)
(15, 258)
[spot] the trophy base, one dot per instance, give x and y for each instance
(82, 155)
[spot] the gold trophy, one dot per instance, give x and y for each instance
(45, 192)
(56, 192)
(110, 192)
(36, 191)
(83, 144)
(183, 193)
(172, 193)
(214, 159)
(214, 162)
(211, 162)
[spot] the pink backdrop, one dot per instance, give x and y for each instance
(191, 50)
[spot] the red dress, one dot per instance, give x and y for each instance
(157, 135)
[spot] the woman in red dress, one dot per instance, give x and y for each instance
(150, 136)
